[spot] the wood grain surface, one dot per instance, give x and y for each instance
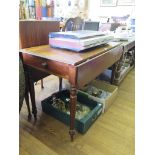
(66, 56)
(35, 33)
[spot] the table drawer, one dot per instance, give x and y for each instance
(46, 65)
(35, 61)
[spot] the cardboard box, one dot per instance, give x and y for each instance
(104, 86)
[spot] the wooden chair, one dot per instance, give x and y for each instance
(35, 33)
(78, 23)
(73, 24)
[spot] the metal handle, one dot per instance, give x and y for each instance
(44, 64)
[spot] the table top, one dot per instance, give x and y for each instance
(66, 56)
(126, 42)
(131, 40)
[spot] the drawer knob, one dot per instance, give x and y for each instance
(44, 64)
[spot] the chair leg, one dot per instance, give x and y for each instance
(28, 105)
(42, 86)
(20, 106)
(27, 97)
(60, 83)
(32, 95)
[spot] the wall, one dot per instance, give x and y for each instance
(62, 9)
(96, 11)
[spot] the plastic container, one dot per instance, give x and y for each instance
(81, 125)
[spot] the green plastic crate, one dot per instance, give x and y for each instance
(81, 125)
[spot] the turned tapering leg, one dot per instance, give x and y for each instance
(117, 69)
(42, 85)
(73, 99)
(60, 83)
